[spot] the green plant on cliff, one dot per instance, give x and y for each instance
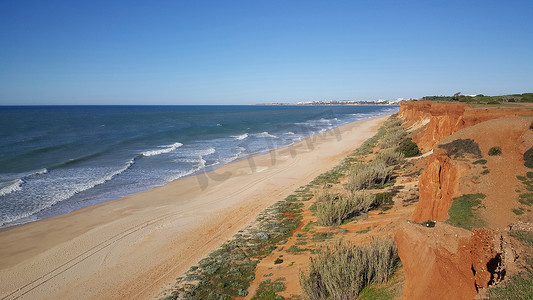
(462, 212)
(409, 148)
(519, 286)
(342, 270)
(495, 151)
(461, 146)
(528, 158)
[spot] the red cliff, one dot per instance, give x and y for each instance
(439, 120)
(447, 262)
(438, 186)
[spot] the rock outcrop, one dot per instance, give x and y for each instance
(446, 262)
(438, 185)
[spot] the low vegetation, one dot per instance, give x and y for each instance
(528, 158)
(336, 211)
(480, 161)
(409, 148)
(460, 147)
(267, 290)
(227, 272)
(482, 99)
(390, 157)
(462, 211)
(368, 175)
(342, 270)
(519, 286)
(495, 151)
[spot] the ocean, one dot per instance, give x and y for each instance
(55, 159)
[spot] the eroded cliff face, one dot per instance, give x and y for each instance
(439, 120)
(446, 262)
(438, 185)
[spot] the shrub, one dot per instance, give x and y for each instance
(496, 150)
(278, 261)
(409, 148)
(335, 212)
(480, 161)
(528, 158)
(324, 195)
(368, 175)
(460, 147)
(390, 157)
(342, 270)
(518, 212)
(393, 137)
(525, 237)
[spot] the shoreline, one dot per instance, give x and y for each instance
(76, 202)
(133, 246)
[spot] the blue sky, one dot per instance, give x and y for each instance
(245, 52)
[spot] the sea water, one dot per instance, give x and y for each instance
(55, 159)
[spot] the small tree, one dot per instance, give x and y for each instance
(456, 96)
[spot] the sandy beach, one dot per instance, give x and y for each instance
(131, 248)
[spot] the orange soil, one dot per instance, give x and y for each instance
(443, 262)
(447, 262)
(358, 232)
(441, 120)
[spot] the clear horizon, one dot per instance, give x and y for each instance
(239, 52)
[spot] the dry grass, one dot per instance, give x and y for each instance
(368, 175)
(338, 210)
(390, 157)
(342, 270)
(325, 195)
(393, 137)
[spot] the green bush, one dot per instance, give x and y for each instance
(335, 212)
(494, 151)
(461, 146)
(528, 158)
(342, 270)
(409, 148)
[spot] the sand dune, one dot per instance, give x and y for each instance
(132, 247)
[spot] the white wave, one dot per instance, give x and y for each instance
(240, 137)
(11, 187)
(240, 149)
(289, 133)
(98, 181)
(205, 152)
(166, 149)
(38, 172)
(76, 188)
(219, 125)
(266, 134)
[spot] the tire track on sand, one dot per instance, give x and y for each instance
(23, 290)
